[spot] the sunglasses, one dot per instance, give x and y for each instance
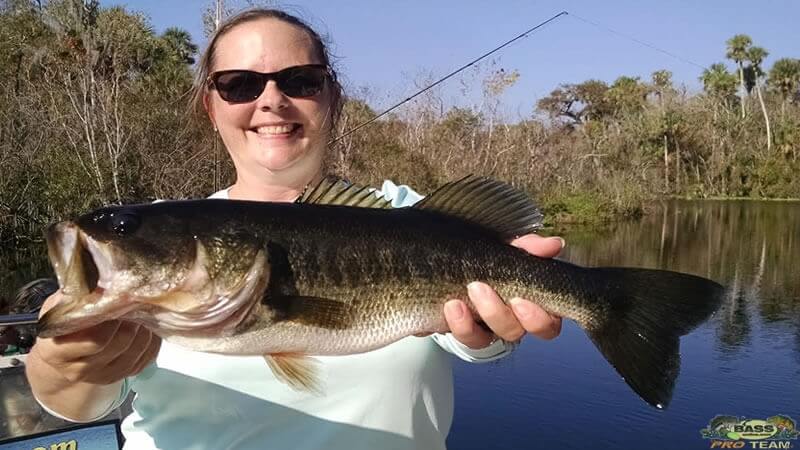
(240, 86)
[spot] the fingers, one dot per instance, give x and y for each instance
(463, 326)
(494, 313)
(102, 354)
(131, 356)
(509, 323)
(80, 344)
(148, 356)
(543, 247)
(128, 340)
(535, 320)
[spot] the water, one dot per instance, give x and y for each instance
(562, 394)
(744, 362)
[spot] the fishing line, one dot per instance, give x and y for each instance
(640, 42)
(451, 74)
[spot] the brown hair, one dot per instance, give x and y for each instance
(200, 87)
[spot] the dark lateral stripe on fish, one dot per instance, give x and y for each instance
(313, 311)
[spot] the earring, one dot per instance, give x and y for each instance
(216, 130)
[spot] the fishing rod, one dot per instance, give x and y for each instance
(451, 74)
(19, 319)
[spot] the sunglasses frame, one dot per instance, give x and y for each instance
(265, 77)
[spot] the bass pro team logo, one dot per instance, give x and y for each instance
(742, 432)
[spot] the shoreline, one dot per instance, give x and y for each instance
(568, 213)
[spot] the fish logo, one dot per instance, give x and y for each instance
(741, 432)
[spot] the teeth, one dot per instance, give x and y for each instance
(275, 129)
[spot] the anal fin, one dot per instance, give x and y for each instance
(299, 371)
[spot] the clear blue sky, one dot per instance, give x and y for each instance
(386, 45)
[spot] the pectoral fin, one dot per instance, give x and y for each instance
(299, 371)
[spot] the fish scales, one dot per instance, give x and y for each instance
(339, 261)
(340, 273)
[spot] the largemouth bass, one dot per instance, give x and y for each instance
(340, 272)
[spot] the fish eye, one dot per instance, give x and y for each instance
(124, 222)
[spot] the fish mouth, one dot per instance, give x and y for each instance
(83, 267)
(95, 288)
(69, 251)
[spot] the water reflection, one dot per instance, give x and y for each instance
(749, 246)
(733, 328)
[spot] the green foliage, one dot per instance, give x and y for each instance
(785, 77)
(777, 178)
(586, 207)
(626, 95)
(459, 123)
(93, 109)
(787, 138)
(718, 82)
(180, 45)
(756, 56)
(737, 47)
(662, 80)
(578, 102)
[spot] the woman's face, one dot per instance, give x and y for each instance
(274, 134)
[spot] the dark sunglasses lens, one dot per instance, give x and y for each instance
(301, 81)
(239, 86)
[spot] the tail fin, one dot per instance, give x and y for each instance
(650, 310)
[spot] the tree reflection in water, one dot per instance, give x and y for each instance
(750, 246)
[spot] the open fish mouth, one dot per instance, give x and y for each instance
(70, 252)
(83, 269)
(97, 287)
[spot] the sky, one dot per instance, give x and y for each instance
(388, 47)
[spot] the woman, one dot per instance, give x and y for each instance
(275, 128)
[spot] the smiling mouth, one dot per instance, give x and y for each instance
(277, 130)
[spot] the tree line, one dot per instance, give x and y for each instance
(94, 110)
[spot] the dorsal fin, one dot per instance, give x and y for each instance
(335, 191)
(487, 202)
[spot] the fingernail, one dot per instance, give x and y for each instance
(561, 240)
(454, 309)
(522, 308)
(475, 289)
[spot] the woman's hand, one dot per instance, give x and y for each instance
(507, 323)
(102, 354)
(79, 375)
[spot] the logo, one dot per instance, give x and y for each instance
(742, 432)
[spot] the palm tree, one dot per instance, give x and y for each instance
(662, 82)
(737, 51)
(756, 55)
(720, 85)
(180, 41)
(785, 77)
(718, 82)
